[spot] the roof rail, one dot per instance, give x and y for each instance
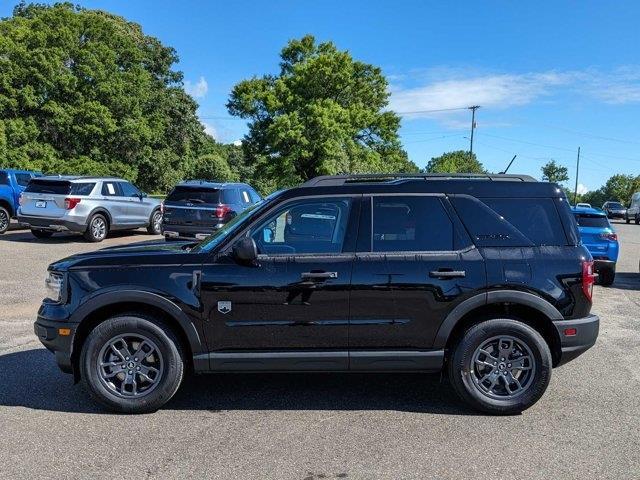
(332, 180)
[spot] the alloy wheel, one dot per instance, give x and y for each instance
(98, 228)
(130, 365)
(503, 367)
(157, 221)
(4, 220)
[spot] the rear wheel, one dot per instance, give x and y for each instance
(626, 218)
(132, 364)
(155, 223)
(606, 276)
(97, 228)
(636, 219)
(41, 233)
(500, 366)
(4, 220)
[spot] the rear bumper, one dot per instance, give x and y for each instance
(54, 224)
(189, 232)
(573, 345)
(599, 265)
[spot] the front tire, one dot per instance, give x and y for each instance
(97, 229)
(500, 366)
(131, 364)
(5, 220)
(155, 223)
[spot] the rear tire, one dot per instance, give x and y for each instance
(515, 383)
(607, 276)
(636, 219)
(97, 228)
(5, 220)
(41, 233)
(121, 380)
(155, 223)
(626, 218)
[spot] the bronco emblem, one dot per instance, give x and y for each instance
(224, 307)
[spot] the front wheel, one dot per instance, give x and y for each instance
(155, 223)
(5, 218)
(132, 364)
(500, 366)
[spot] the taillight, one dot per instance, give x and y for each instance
(221, 211)
(70, 203)
(609, 236)
(588, 278)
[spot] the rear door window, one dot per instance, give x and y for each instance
(587, 220)
(411, 224)
(54, 187)
(194, 195)
(82, 188)
(111, 189)
(536, 218)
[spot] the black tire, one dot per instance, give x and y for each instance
(41, 233)
(464, 379)
(155, 223)
(169, 378)
(5, 220)
(606, 276)
(97, 228)
(636, 219)
(626, 218)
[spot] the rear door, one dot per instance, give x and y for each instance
(45, 198)
(192, 206)
(413, 266)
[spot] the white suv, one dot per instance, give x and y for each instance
(92, 206)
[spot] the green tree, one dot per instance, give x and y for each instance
(619, 187)
(459, 161)
(552, 172)
(213, 167)
(323, 113)
(85, 91)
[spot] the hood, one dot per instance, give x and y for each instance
(147, 253)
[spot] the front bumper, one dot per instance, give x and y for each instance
(54, 224)
(57, 337)
(618, 214)
(576, 336)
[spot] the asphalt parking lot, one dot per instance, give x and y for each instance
(315, 426)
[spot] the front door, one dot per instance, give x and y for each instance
(289, 311)
(415, 266)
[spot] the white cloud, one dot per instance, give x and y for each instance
(197, 90)
(210, 130)
(442, 88)
(582, 189)
(237, 143)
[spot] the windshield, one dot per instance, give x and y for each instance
(586, 220)
(614, 205)
(194, 195)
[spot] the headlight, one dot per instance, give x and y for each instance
(53, 283)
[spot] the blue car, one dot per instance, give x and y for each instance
(600, 239)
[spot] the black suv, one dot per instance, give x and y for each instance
(482, 276)
(195, 208)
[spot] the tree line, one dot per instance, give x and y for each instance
(87, 92)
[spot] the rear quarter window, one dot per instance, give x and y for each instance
(23, 179)
(82, 188)
(536, 218)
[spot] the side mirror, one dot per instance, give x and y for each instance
(245, 251)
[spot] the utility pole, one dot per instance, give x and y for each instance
(473, 127)
(575, 192)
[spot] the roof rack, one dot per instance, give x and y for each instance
(332, 180)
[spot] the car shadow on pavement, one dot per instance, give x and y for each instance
(25, 236)
(31, 379)
(627, 281)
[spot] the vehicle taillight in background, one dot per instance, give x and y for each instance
(588, 278)
(222, 211)
(609, 236)
(70, 203)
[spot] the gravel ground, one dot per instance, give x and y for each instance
(315, 426)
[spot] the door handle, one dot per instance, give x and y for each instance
(318, 275)
(447, 274)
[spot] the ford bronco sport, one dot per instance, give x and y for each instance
(482, 276)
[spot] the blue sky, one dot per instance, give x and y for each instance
(549, 76)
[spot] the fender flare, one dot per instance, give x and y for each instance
(487, 298)
(101, 211)
(140, 296)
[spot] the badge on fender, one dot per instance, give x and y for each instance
(224, 307)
